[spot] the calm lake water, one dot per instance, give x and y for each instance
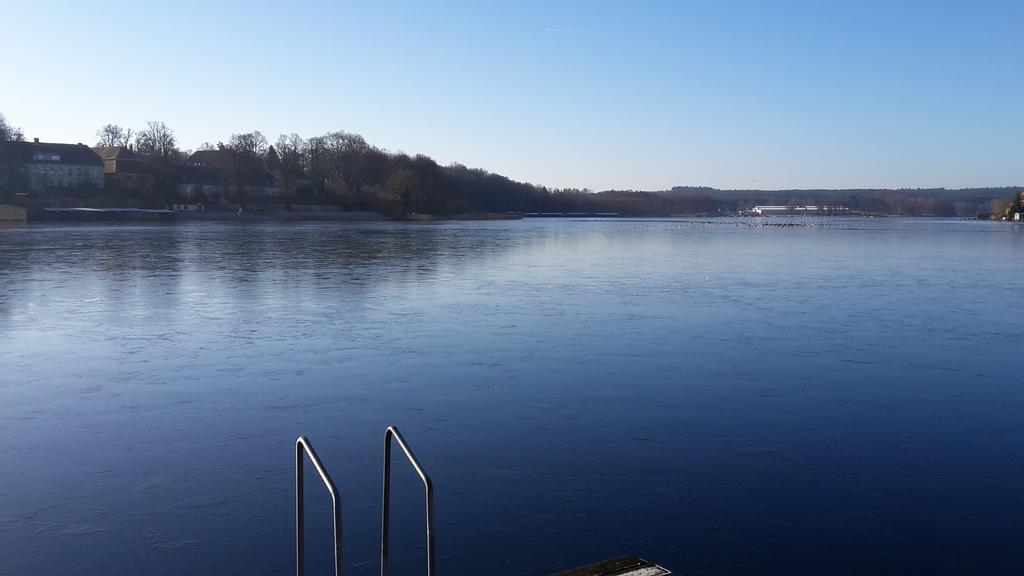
(839, 397)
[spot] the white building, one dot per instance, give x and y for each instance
(50, 166)
(797, 210)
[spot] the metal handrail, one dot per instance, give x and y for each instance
(303, 445)
(392, 432)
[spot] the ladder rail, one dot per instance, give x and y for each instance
(392, 433)
(304, 448)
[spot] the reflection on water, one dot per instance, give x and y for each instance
(834, 397)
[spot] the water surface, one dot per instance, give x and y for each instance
(839, 397)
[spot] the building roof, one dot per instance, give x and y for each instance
(210, 158)
(54, 153)
(116, 153)
(122, 160)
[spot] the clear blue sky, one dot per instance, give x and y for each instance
(768, 94)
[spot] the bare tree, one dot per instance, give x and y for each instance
(353, 168)
(315, 157)
(289, 165)
(11, 174)
(246, 153)
(249, 145)
(111, 135)
(346, 151)
(156, 139)
(9, 133)
(157, 142)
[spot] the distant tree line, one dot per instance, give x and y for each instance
(343, 169)
(966, 202)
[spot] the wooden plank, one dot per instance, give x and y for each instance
(621, 566)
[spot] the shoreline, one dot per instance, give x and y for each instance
(116, 215)
(132, 215)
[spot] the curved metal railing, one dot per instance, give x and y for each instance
(392, 432)
(302, 445)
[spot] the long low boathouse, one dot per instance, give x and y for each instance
(102, 215)
(572, 215)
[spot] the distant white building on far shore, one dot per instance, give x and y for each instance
(797, 210)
